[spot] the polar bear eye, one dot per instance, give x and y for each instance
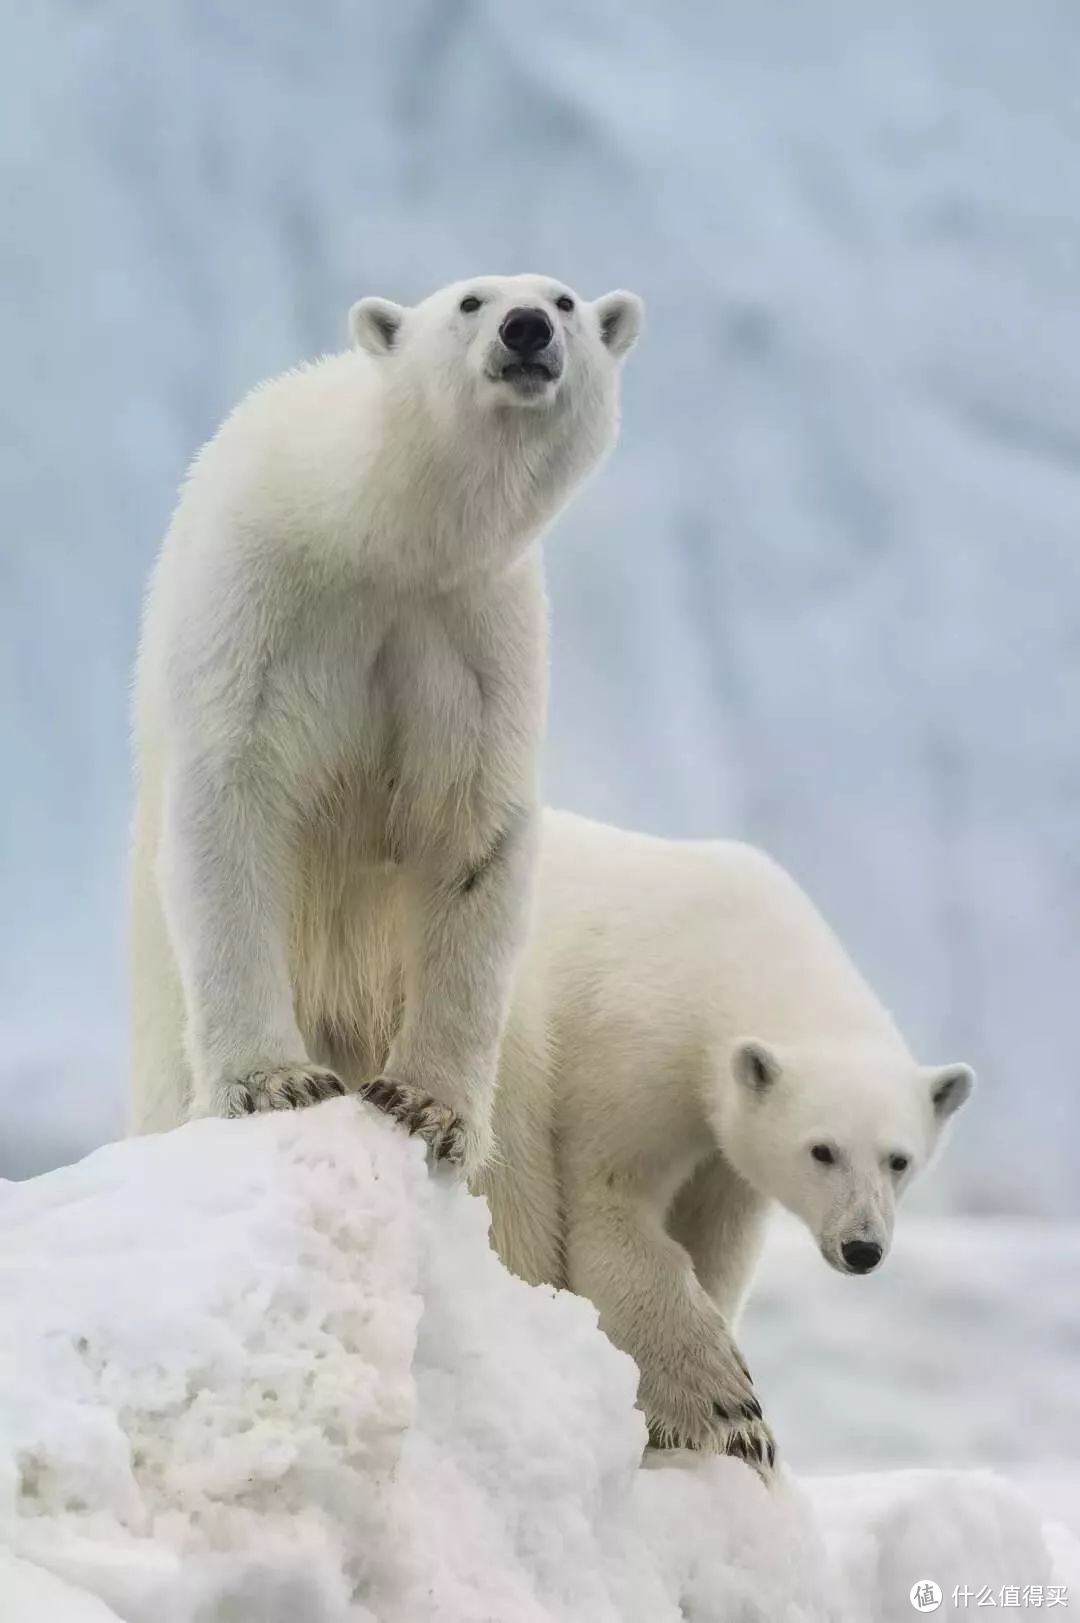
(469, 303)
(822, 1153)
(564, 302)
(899, 1163)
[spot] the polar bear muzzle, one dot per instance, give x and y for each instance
(527, 353)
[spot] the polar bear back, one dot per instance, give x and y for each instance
(668, 942)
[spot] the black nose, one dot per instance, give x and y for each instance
(526, 332)
(861, 1255)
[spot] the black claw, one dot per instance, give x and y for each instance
(335, 1085)
(770, 1451)
(385, 1095)
(379, 1094)
(737, 1444)
(247, 1099)
(720, 1412)
(293, 1094)
(752, 1409)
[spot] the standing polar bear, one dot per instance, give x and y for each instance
(339, 702)
(689, 1043)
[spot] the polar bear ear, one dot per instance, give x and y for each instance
(755, 1066)
(620, 316)
(949, 1086)
(375, 325)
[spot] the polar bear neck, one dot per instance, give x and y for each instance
(465, 493)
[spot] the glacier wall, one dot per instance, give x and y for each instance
(826, 596)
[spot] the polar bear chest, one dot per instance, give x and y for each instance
(399, 744)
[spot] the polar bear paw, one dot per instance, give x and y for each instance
(285, 1087)
(708, 1402)
(450, 1137)
(749, 1439)
(753, 1442)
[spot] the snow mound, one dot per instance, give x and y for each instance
(270, 1371)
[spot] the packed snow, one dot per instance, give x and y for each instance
(270, 1370)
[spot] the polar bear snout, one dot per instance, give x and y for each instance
(527, 353)
(859, 1243)
(526, 332)
(861, 1256)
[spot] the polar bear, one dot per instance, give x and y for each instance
(339, 700)
(690, 1043)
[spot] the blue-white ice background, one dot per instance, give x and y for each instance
(827, 594)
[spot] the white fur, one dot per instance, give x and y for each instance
(340, 697)
(685, 1028)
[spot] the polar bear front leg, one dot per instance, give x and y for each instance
(222, 870)
(720, 1221)
(695, 1389)
(465, 927)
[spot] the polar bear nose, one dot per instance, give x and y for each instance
(860, 1255)
(526, 332)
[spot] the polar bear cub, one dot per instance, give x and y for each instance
(339, 701)
(689, 1044)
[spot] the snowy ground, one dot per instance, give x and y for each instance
(270, 1371)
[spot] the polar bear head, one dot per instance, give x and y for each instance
(504, 344)
(837, 1136)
